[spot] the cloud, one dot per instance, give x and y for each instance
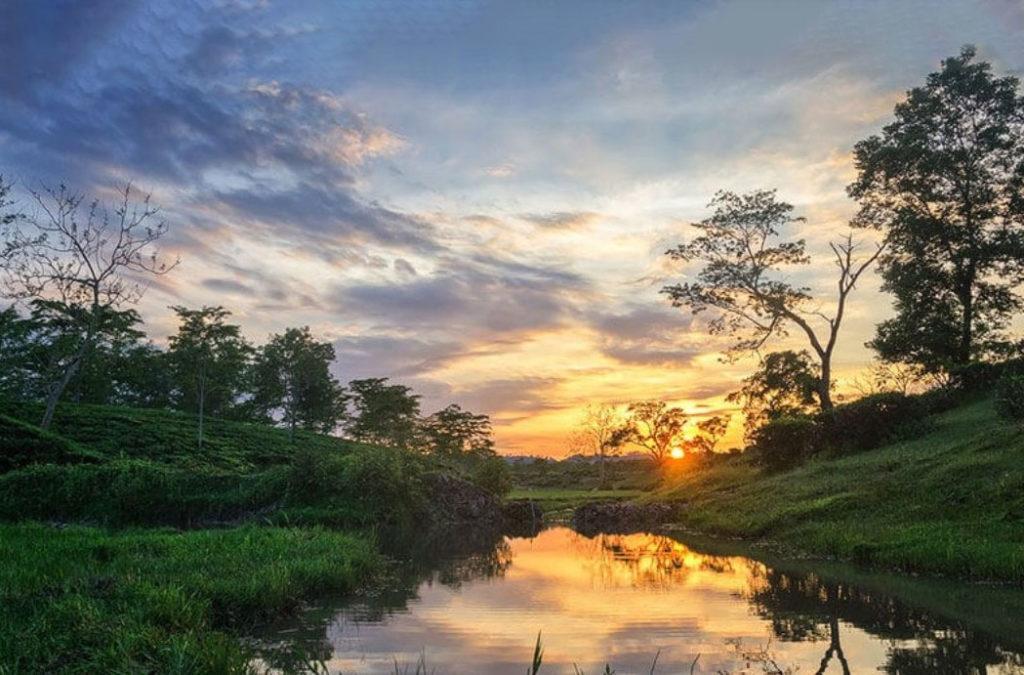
(513, 395)
(229, 286)
(562, 220)
(650, 336)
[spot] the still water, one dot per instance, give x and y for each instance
(468, 607)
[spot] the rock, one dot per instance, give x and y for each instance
(522, 518)
(453, 501)
(621, 517)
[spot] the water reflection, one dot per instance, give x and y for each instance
(475, 604)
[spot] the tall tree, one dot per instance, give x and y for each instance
(85, 260)
(292, 379)
(654, 426)
(741, 279)
(382, 413)
(710, 432)
(18, 345)
(209, 358)
(785, 384)
(601, 433)
(945, 183)
(454, 432)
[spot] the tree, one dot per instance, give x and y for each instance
(17, 352)
(454, 432)
(945, 183)
(85, 262)
(382, 413)
(655, 427)
(784, 385)
(741, 278)
(209, 358)
(292, 378)
(600, 433)
(709, 432)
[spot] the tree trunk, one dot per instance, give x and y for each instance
(966, 329)
(601, 468)
(57, 390)
(825, 384)
(202, 407)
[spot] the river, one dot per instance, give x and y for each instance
(471, 606)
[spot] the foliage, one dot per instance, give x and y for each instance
(492, 474)
(786, 442)
(948, 501)
(454, 432)
(742, 278)
(785, 384)
(871, 421)
(654, 426)
(292, 378)
(943, 182)
(1010, 397)
(709, 432)
(383, 414)
(22, 444)
(209, 359)
(86, 600)
(83, 265)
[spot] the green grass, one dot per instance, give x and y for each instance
(554, 499)
(950, 502)
(85, 600)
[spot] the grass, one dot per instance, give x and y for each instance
(556, 499)
(170, 437)
(86, 600)
(949, 502)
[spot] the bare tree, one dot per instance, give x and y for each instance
(84, 261)
(742, 279)
(599, 434)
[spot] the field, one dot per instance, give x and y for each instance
(949, 502)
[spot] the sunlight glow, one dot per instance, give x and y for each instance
(677, 453)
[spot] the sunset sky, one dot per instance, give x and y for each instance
(473, 198)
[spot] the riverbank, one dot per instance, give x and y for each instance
(950, 502)
(84, 599)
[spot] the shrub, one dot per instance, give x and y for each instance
(22, 444)
(785, 442)
(492, 474)
(872, 421)
(1010, 397)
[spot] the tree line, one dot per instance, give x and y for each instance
(78, 269)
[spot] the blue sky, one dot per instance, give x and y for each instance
(472, 197)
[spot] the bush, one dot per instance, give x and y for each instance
(22, 444)
(786, 442)
(1010, 397)
(492, 474)
(873, 421)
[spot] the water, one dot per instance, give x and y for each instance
(475, 606)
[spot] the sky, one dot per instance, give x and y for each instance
(474, 198)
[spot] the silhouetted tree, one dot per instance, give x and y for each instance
(945, 183)
(600, 433)
(654, 426)
(741, 279)
(209, 358)
(453, 432)
(292, 378)
(709, 432)
(382, 413)
(84, 263)
(785, 384)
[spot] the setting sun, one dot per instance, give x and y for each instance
(677, 453)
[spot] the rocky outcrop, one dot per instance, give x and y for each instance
(522, 518)
(622, 517)
(454, 501)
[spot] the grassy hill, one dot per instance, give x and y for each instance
(950, 501)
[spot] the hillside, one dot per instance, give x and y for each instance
(948, 502)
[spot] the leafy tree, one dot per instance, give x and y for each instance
(382, 413)
(454, 432)
(945, 183)
(784, 385)
(84, 262)
(209, 358)
(17, 351)
(655, 427)
(709, 432)
(292, 379)
(741, 278)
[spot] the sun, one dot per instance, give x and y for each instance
(677, 453)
